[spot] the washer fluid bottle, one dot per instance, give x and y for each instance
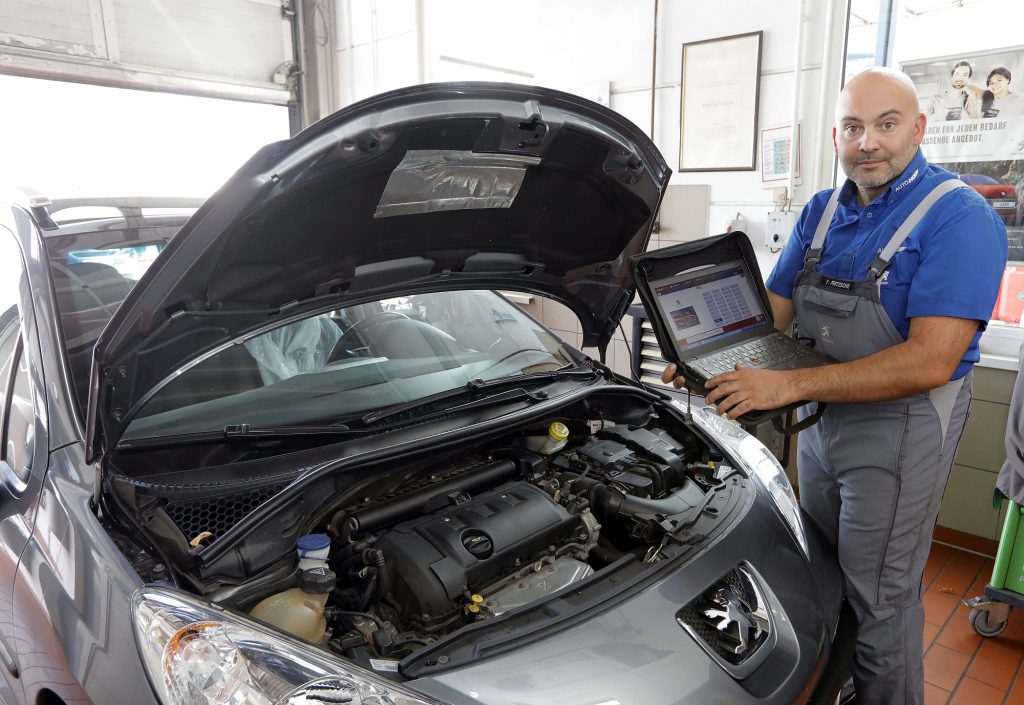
(299, 611)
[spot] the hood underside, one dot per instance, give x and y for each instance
(445, 186)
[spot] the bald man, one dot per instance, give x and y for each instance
(894, 274)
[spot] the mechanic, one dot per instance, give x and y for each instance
(1011, 476)
(894, 274)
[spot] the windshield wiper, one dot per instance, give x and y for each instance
(563, 373)
(479, 385)
(233, 431)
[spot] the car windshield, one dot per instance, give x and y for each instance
(330, 366)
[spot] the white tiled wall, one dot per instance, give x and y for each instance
(563, 322)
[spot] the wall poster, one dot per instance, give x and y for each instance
(975, 108)
(718, 110)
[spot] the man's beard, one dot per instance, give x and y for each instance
(882, 174)
(889, 166)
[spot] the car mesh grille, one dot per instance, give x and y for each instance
(217, 514)
(727, 644)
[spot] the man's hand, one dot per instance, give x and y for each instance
(924, 361)
(668, 376)
(748, 389)
(745, 389)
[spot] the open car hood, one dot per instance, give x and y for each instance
(444, 186)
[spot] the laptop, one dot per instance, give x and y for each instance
(710, 311)
(717, 320)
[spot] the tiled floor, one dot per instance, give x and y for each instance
(960, 667)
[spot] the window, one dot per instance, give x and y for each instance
(10, 319)
(17, 426)
(938, 43)
(19, 421)
(354, 360)
(9, 329)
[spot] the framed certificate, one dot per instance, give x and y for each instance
(718, 112)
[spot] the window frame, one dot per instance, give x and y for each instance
(12, 476)
(26, 348)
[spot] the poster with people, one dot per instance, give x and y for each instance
(975, 108)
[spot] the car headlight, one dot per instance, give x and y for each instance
(199, 654)
(751, 455)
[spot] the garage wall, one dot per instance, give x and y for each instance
(603, 49)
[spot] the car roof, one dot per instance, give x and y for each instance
(67, 216)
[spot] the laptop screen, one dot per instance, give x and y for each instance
(709, 306)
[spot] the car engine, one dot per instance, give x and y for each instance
(415, 551)
(510, 529)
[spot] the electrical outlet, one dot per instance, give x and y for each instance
(780, 225)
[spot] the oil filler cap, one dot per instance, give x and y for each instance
(478, 544)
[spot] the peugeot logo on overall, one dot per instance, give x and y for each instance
(825, 333)
(732, 610)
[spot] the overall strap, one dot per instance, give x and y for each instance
(813, 254)
(881, 262)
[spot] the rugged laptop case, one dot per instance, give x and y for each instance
(717, 249)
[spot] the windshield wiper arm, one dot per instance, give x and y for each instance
(235, 431)
(478, 385)
(500, 397)
(244, 430)
(580, 373)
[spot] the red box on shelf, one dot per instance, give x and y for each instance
(1010, 304)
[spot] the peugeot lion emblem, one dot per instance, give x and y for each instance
(733, 610)
(824, 331)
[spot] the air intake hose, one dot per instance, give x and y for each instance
(681, 507)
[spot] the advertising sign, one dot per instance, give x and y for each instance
(975, 108)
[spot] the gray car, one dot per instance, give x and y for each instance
(296, 449)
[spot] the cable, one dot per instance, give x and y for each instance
(366, 615)
(634, 374)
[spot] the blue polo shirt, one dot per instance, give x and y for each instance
(950, 265)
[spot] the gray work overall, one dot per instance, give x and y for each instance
(872, 474)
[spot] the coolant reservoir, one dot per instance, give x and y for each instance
(300, 611)
(295, 611)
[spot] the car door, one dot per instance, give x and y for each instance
(23, 442)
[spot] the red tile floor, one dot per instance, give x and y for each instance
(960, 667)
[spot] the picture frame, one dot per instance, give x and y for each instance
(776, 153)
(719, 92)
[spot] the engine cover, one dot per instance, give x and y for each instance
(432, 561)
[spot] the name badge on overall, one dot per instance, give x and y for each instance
(838, 284)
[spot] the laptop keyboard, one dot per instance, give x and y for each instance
(763, 352)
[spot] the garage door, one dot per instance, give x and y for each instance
(238, 49)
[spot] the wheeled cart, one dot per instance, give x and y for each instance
(991, 612)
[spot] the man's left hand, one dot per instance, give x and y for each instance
(748, 389)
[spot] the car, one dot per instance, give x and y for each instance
(1001, 196)
(295, 448)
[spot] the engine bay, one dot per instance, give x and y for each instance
(410, 560)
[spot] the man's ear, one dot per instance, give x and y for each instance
(920, 123)
(835, 145)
